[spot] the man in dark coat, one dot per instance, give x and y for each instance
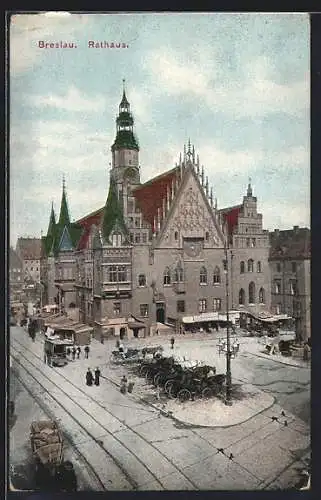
(86, 351)
(97, 376)
(89, 377)
(172, 342)
(78, 352)
(73, 352)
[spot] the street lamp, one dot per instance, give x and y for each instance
(228, 340)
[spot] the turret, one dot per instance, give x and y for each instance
(125, 149)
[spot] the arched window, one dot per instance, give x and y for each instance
(262, 296)
(167, 276)
(258, 267)
(142, 280)
(242, 267)
(242, 297)
(203, 276)
(217, 276)
(178, 273)
(252, 293)
(250, 264)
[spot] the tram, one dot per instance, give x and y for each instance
(55, 351)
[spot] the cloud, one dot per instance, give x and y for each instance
(253, 93)
(73, 100)
(27, 29)
(281, 214)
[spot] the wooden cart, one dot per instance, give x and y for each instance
(46, 444)
(52, 472)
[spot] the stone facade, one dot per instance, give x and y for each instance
(289, 260)
(156, 251)
(29, 251)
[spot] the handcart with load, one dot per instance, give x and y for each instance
(51, 471)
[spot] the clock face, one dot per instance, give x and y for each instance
(192, 248)
(130, 172)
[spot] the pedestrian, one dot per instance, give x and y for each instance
(86, 351)
(97, 376)
(89, 377)
(68, 351)
(123, 384)
(172, 342)
(117, 344)
(78, 352)
(73, 352)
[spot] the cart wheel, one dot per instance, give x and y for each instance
(168, 385)
(207, 393)
(156, 378)
(184, 395)
(149, 376)
(143, 369)
(173, 390)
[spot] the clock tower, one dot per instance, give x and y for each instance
(125, 150)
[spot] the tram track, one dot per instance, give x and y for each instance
(145, 443)
(50, 415)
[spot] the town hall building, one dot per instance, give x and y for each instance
(157, 251)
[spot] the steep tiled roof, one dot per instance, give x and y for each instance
(150, 195)
(29, 248)
(94, 218)
(290, 244)
(230, 215)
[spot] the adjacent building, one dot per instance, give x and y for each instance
(29, 251)
(15, 274)
(290, 258)
(156, 251)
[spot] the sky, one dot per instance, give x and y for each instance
(237, 85)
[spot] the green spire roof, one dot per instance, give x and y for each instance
(124, 102)
(113, 215)
(125, 139)
(51, 233)
(64, 213)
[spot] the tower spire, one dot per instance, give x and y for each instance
(64, 218)
(125, 137)
(249, 188)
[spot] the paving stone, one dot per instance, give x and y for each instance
(186, 451)
(265, 459)
(218, 472)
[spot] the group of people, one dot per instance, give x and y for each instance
(93, 379)
(75, 352)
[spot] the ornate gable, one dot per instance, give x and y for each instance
(191, 216)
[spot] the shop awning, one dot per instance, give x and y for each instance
(134, 324)
(212, 316)
(266, 317)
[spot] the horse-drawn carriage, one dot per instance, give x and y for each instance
(51, 471)
(181, 379)
(133, 354)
